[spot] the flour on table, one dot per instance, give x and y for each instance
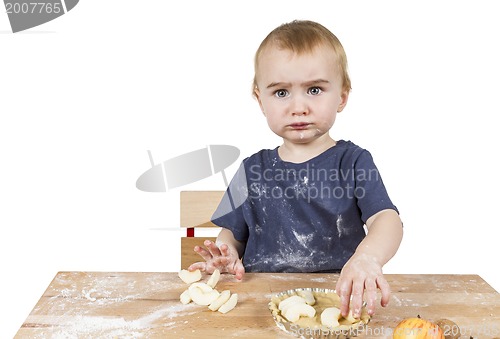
(321, 279)
(74, 321)
(87, 296)
(83, 326)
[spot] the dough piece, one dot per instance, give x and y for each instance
(221, 300)
(323, 299)
(330, 317)
(297, 310)
(214, 278)
(202, 294)
(350, 318)
(190, 277)
(185, 297)
(308, 296)
(230, 304)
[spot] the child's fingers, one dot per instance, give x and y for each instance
(220, 262)
(239, 270)
(357, 297)
(370, 295)
(206, 255)
(214, 250)
(343, 289)
(385, 289)
(202, 266)
(224, 250)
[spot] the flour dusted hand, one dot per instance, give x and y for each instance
(361, 275)
(221, 258)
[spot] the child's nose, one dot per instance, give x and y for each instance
(299, 106)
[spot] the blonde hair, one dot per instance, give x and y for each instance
(302, 36)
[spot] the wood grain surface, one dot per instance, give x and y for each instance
(146, 305)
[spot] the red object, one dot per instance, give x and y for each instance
(190, 232)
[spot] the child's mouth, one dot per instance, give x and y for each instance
(300, 125)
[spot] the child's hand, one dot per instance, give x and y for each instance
(362, 274)
(221, 258)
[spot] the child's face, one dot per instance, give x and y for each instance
(300, 95)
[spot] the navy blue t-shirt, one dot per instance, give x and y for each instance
(305, 217)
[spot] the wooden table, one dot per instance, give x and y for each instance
(146, 305)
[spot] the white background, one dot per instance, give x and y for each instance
(82, 99)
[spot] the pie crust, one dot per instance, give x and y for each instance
(307, 327)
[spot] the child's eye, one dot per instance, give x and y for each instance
(314, 91)
(281, 93)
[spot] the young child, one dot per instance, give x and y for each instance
(302, 206)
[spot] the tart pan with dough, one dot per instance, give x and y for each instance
(311, 328)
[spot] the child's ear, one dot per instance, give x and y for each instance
(256, 94)
(344, 96)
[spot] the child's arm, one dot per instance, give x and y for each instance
(224, 255)
(363, 271)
